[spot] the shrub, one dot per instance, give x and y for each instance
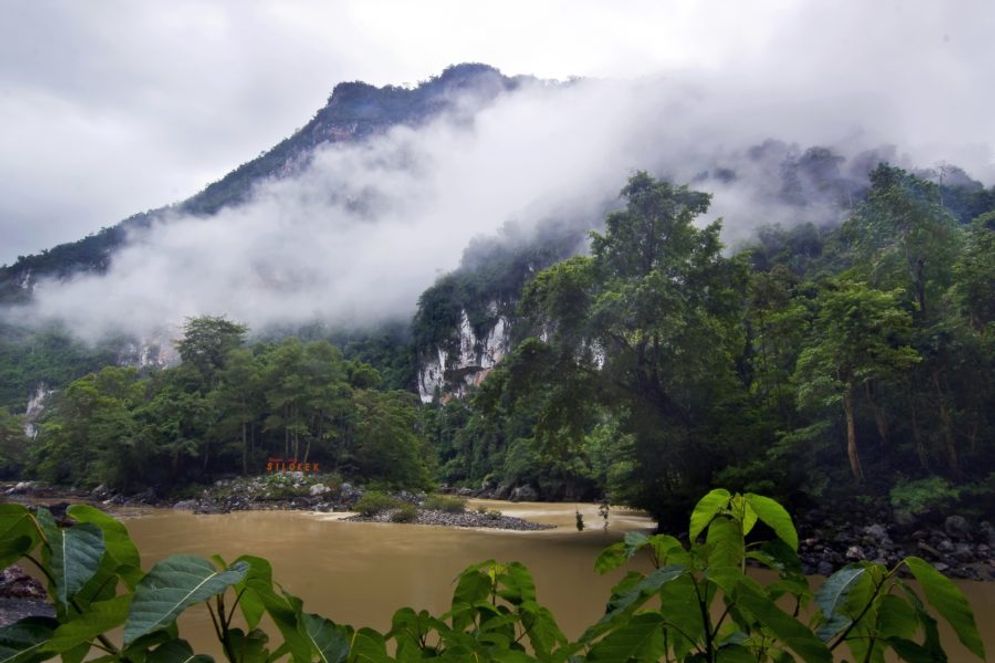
(374, 502)
(923, 496)
(405, 513)
(447, 503)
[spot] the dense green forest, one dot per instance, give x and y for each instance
(224, 409)
(816, 361)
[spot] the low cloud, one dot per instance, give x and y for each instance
(355, 237)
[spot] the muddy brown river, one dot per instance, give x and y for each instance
(359, 573)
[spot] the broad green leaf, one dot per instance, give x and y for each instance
(248, 647)
(637, 595)
(913, 652)
(679, 607)
(634, 542)
(544, 632)
(21, 642)
(259, 578)
(16, 525)
(368, 646)
(517, 584)
(177, 651)
(896, 618)
(774, 516)
(285, 611)
(610, 558)
(328, 640)
(943, 595)
(709, 505)
(510, 656)
(13, 549)
(120, 548)
(668, 550)
(734, 654)
(98, 618)
(173, 585)
(77, 654)
(73, 555)
(791, 632)
(640, 639)
(725, 544)
(832, 598)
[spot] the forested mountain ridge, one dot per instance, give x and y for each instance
(355, 112)
(468, 320)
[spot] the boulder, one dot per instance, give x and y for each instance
(524, 493)
(349, 494)
(876, 533)
(147, 496)
(186, 505)
(855, 553)
(318, 489)
(957, 527)
(988, 532)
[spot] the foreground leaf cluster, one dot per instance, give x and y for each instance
(697, 604)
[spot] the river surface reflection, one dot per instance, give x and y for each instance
(359, 573)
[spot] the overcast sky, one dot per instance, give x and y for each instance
(109, 107)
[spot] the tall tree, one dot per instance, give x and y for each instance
(647, 327)
(859, 336)
(206, 343)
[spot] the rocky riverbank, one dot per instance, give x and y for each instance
(291, 491)
(833, 538)
(830, 538)
(21, 596)
(484, 519)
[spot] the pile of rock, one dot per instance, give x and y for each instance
(488, 519)
(956, 548)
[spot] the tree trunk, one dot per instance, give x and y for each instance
(851, 436)
(880, 420)
(245, 450)
(916, 434)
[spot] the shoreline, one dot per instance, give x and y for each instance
(828, 540)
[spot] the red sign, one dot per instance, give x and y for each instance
(284, 465)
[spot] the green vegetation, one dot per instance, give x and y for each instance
(404, 513)
(373, 502)
(698, 604)
(814, 363)
(227, 409)
(447, 503)
(811, 364)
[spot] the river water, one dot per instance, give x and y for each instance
(359, 573)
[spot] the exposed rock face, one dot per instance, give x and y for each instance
(449, 372)
(36, 405)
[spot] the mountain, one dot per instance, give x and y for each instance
(466, 322)
(355, 112)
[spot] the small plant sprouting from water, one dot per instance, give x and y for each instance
(107, 608)
(603, 510)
